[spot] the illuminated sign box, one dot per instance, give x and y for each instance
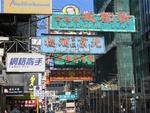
(13, 90)
(69, 75)
(26, 6)
(72, 59)
(72, 44)
(25, 62)
(121, 22)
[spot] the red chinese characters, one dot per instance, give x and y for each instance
(95, 42)
(50, 42)
(122, 17)
(75, 19)
(59, 57)
(67, 57)
(58, 18)
(64, 42)
(90, 58)
(106, 17)
(66, 19)
(88, 17)
(83, 42)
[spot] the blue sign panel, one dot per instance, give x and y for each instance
(72, 44)
(42, 25)
(72, 6)
(67, 97)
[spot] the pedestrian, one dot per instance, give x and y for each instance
(6, 111)
(15, 110)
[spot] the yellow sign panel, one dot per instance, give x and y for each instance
(28, 6)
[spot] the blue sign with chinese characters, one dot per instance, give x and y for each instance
(25, 62)
(72, 44)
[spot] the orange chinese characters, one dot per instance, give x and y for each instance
(95, 42)
(66, 19)
(88, 17)
(64, 42)
(83, 42)
(58, 18)
(50, 42)
(122, 17)
(106, 17)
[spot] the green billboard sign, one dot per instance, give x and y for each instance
(105, 21)
(72, 59)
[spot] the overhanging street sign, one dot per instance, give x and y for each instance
(105, 21)
(72, 44)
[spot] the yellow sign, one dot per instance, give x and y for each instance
(28, 6)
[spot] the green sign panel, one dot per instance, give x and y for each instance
(121, 22)
(71, 59)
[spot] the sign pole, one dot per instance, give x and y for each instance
(37, 105)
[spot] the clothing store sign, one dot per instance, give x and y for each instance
(25, 62)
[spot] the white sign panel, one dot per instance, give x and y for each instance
(25, 62)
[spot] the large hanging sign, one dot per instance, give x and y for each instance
(73, 59)
(25, 62)
(105, 21)
(70, 75)
(26, 6)
(72, 44)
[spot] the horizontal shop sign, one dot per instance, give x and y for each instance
(70, 75)
(73, 44)
(67, 97)
(26, 6)
(105, 21)
(13, 90)
(61, 59)
(25, 62)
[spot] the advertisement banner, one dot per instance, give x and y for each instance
(73, 59)
(105, 21)
(72, 6)
(25, 62)
(27, 6)
(70, 75)
(72, 44)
